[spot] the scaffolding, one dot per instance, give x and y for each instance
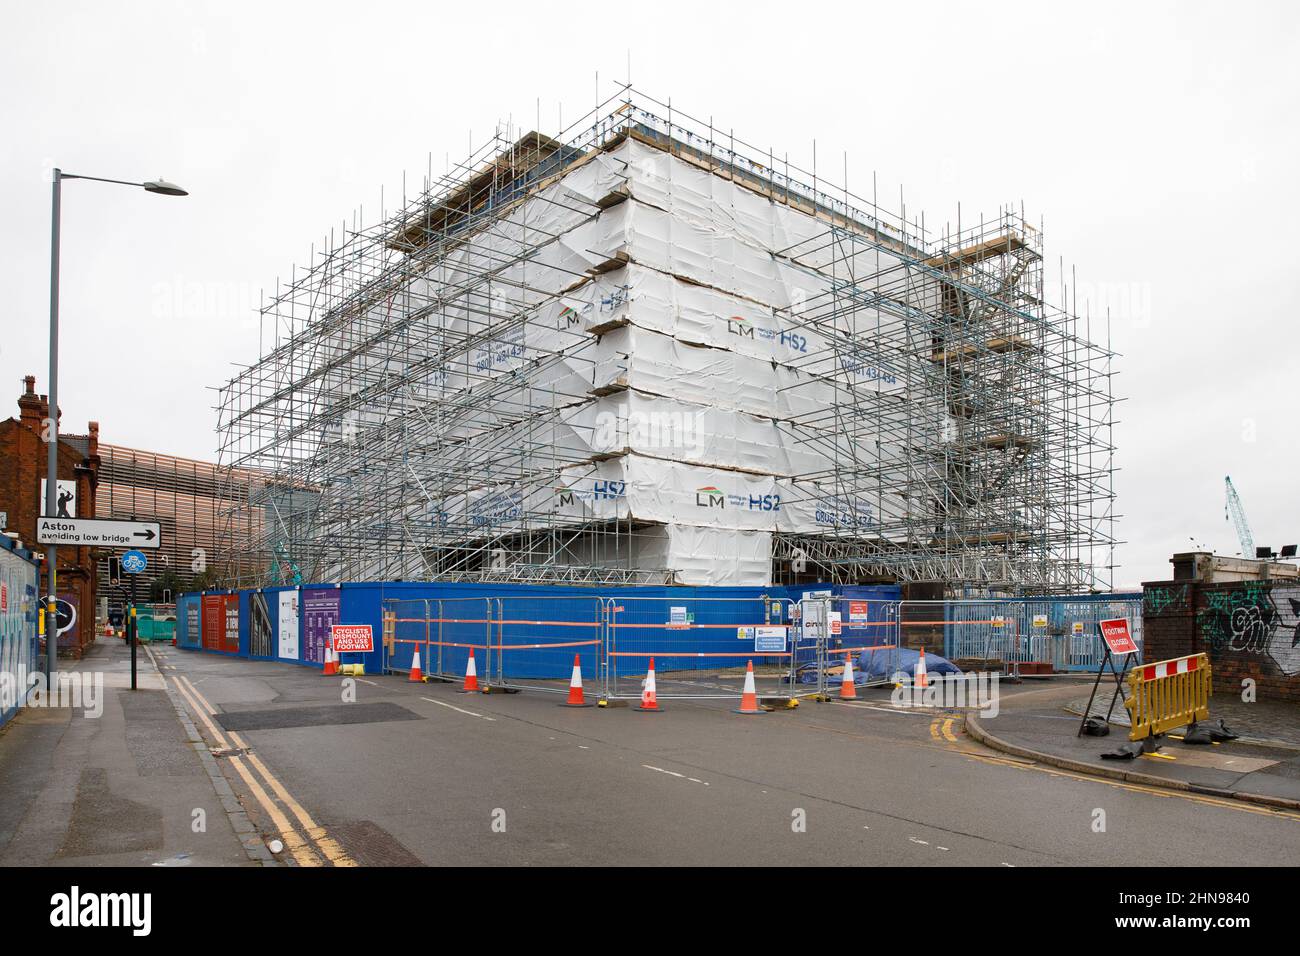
(460, 390)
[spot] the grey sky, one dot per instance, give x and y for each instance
(1158, 141)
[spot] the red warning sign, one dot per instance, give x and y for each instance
(352, 638)
(1117, 637)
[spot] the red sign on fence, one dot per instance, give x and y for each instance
(1117, 637)
(352, 638)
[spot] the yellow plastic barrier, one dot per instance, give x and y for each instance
(1168, 694)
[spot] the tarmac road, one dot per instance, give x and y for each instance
(418, 773)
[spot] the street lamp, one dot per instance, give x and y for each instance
(164, 188)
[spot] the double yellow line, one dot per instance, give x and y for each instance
(942, 726)
(313, 846)
(944, 733)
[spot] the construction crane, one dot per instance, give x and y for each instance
(1233, 509)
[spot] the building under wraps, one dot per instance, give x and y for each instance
(645, 352)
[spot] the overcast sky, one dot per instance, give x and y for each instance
(1158, 142)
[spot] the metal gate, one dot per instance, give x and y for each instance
(1061, 631)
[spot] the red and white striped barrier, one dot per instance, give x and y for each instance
(1180, 665)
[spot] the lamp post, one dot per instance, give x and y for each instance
(163, 188)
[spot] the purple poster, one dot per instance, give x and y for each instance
(320, 611)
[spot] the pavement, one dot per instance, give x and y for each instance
(382, 771)
(1262, 767)
(133, 785)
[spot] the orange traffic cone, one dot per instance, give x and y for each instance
(416, 675)
(920, 679)
(848, 690)
(331, 662)
(575, 687)
(649, 705)
(471, 677)
(749, 696)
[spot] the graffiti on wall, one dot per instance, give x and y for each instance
(1157, 600)
(1254, 619)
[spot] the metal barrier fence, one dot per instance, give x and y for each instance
(444, 632)
(872, 631)
(535, 641)
(700, 647)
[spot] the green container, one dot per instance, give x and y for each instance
(151, 626)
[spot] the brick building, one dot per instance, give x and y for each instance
(22, 467)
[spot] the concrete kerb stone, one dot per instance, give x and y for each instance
(981, 734)
(249, 837)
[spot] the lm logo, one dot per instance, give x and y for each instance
(710, 497)
(737, 325)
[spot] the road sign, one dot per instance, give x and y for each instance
(352, 638)
(134, 562)
(1117, 637)
(65, 494)
(99, 532)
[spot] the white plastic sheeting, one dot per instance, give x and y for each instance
(651, 489)
(703, 401)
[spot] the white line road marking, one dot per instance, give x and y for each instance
(922, 842)
(674, 773)
(888, 710)
(458, 710)
(362, 680)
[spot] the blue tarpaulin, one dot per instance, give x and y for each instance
(882, 664)
(885, 662)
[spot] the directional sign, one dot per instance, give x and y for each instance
(99, 532)
(134, 562)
